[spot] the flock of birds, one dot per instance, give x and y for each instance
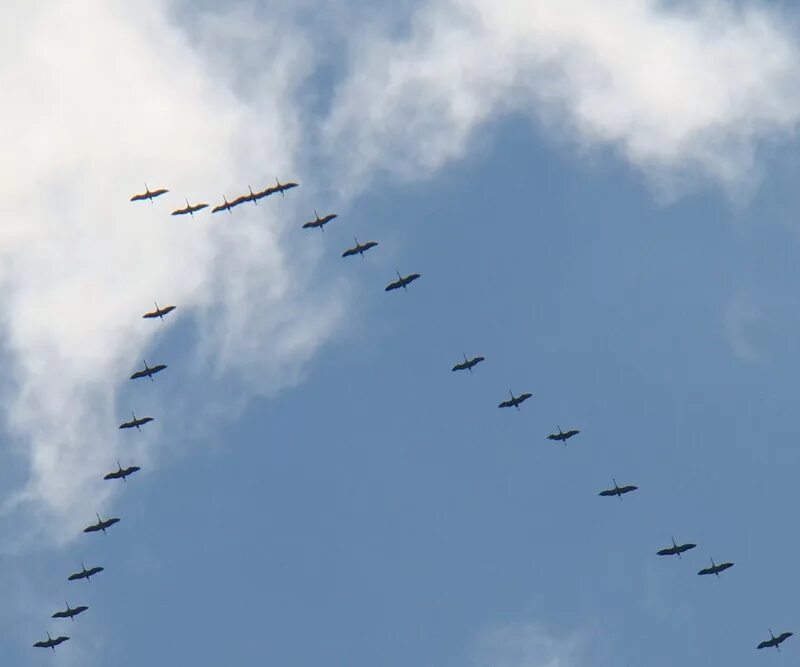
(402, 281)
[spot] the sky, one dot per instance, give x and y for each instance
(599, 198)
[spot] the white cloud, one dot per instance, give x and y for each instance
(675, 92)
(526, 645)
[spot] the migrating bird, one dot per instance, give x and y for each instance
(618, 490)
(158, 312)
(359, 249)
(148, 372)
(319, 222)
(266, 192)
(51, 643)
(70, 613)
(468, 364)
(281, 187)
(515, 400)
(775, 641)
(122, 473)
(189, 208)
(85, 574)
(136, 422)
(101, 524)
(676, 549)
(715, 569)
(228, 205)
(149, 194)
(401, 281)
(561, 435)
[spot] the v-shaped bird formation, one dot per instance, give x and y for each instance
(468, 364)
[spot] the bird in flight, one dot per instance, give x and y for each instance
(136, 422)
(402, 281)
(148, 372)
(149, 194)
(468, 364)
(715, 569)
(676, 549)
(158, 312)
(101, 524)
(319, 222)
(50, 642)
(122, 473)
(563, 436)
(359, 248)
(515, 400)
(775, 641)
(69, 613)
(85, 574)
(618, 490)
(191, 209)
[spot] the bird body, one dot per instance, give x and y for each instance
(515, 400)
(149, 194)
(319, 222)
(468, 364)
(402, 281)
(359, 249)
(148, 371)
(69, 613)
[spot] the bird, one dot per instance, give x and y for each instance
(359, 249)
(515, 400)
(50, 642)
(149, 194)
(319, 222)
(158, 312)
(563, 436)
(715, 569)
(676, 549)
(227, 206)
(189, 208)
(101, 524)
(85, 574)
(401, 281)
(136, 422)
(122, 473)
(775, 641)
(468, 364)
(148, 372)
(618, 490)
(69, 613)
(266, 192)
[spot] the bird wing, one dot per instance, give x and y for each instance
(569, 434)
(44, 644)
(395, 285)
(554, 436)
(686, 547)
(783, 636)
(113, 475)
(765, 644)
(60, 614)
(159, 192)
(608, 492)
(77, 575)
(310, 224)
(460, 367)
(93, 528)
(506, 404)
(724, 566)
(157, 368)
(368, 245)
(79, 610)
(221, 207)
(111, 522)
(412, 277)
(139, 197)
(94, 570)
(139, 374)
(669, 551)
(523, 397)
(60, 639)
(131, 469)
(144, 420)
(350, 251)
(287, 186)
(127, 424)
(627, 489)
(181, 211)
(706, 570)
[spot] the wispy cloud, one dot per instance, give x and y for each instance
(527, 645)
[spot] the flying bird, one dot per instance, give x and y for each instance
(715, 569)
(282, 187)
(69, 613)
(563, 436)
(136, 422)
(401, 281)
(149, 194)
(618, 490)
(468, 364)
(51, 643)
(158, 312)
(101, 524)
(122, 473)
(85, 574)
(676, 549)
(775, 641)
(359, 249)
(266, 192)
(227, 206)
(319, 222)
(148, 372)
(515, 400)
(189, 208)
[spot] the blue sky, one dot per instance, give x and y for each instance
(318, 485)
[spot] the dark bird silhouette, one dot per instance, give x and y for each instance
(359, 249)
(266, 192)
(85, 574)
(282, 187)
(191, 209)
(51, 643)
(676, 549)
(402, 281)
(101, 524)
(228, 205)
(158, 312)
(136, 422)
(69, 613)
(122, 473)
(319, 222)
(618, 490)
(148, 372)
(515, 400)
(775, 641)
(715, 569)
(563, 436)
(149, 194)
(468, 364)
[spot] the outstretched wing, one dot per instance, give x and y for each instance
(139, 197)
(131, 469)
(44, 644)
(93, 528)
(113, 475)
(310, 224)
(523, 397)
(685, 547)
(724, 566)
(94, 570)
(569, 434)
(608, 492)
(707, 570)
(783, 636)
(395, 285)
(181, 211)
(140, 374)
(411, 278)
(159, 192)
(765, 644)
(145, 420)
(221, 207)
(77, 575)
(507, 404)
(286, 186)
(60, 614)
(197, 207)
(670, 551)
(127, 424)
(628, 489)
